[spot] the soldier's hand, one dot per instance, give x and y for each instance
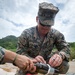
(24, 63)
(39, 59)
(55, 60)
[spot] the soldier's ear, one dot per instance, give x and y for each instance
(37, 19)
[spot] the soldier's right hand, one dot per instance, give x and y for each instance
(25, 63)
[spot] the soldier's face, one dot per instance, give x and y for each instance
(42, 28)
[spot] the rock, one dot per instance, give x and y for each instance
(8, 69)
(70, 74)
(2, 72)
(73, 60)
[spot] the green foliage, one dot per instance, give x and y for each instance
(72, 45)
(72, 53)
(14, 50)
(9, 42)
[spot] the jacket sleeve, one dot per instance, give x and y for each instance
(22, 46)
(2, 52)
(62, 45)
(22, 43)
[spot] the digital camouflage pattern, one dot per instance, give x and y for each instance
(31, 45)
(47, 13)
(2, 51)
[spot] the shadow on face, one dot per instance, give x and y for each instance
(44, 29)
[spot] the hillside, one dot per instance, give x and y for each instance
(9, 42)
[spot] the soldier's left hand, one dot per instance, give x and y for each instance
(39, 59)
(55, 60)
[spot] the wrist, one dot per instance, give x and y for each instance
(62, 56)
(15, 58)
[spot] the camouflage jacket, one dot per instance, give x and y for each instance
(2, 52)
(31, 44)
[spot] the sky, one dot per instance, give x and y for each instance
(17, 15)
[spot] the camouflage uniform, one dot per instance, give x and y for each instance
(2, 52)
(31, 45)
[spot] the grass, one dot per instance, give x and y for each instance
(14, 50)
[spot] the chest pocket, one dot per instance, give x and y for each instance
(33, 48)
